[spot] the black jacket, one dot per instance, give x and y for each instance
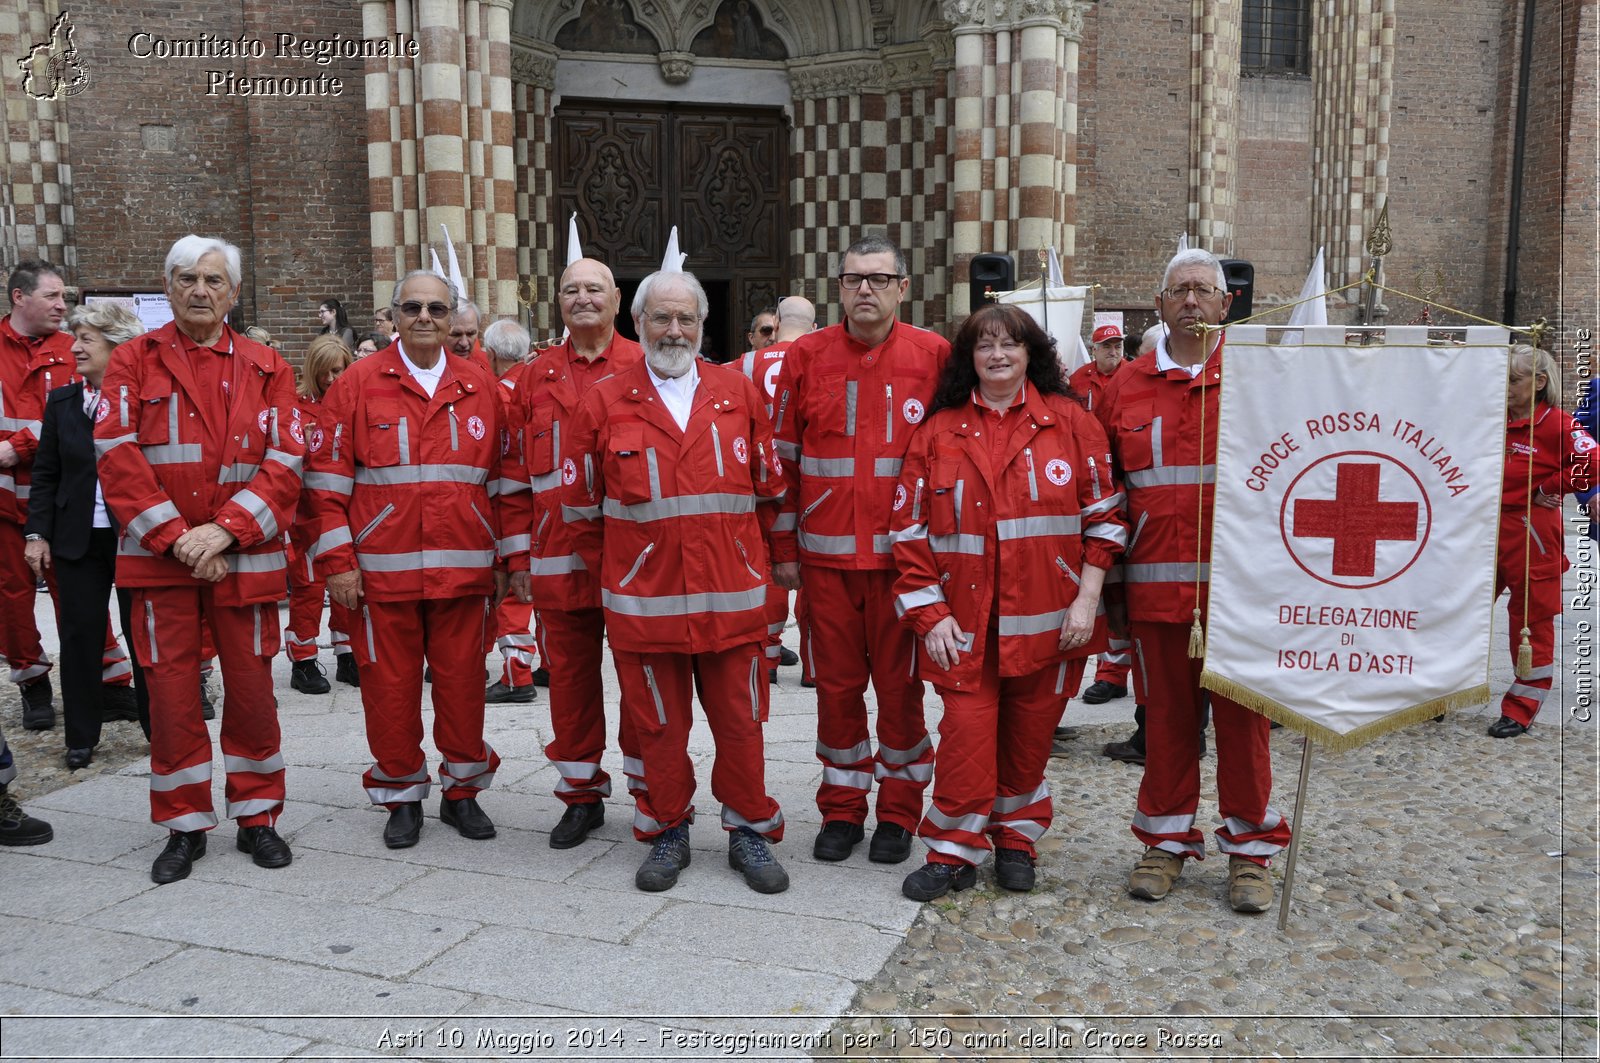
(61, 502)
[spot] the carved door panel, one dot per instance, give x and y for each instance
(720, 175)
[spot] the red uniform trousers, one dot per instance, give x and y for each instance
(994, 743)
(777, 618)
(19, 632)
(1114, 665)
(395, 639)
(571, 643)
(855, 631)
(167, 637)
(305, 615)
(658, 701)
(1169, 794)
(513, 630)
(1526, 695)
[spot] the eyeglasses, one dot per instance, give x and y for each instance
(1181, 292)
(876, 281)
(662, 319)
(766, 330)
(435, 310)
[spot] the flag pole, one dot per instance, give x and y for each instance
(1294, 838)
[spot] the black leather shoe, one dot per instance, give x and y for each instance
(308, 677)
(427, 673)
(1128, 752)
(1065, 734)
(38, 713)
(1100, 692)
(79, 758)
(466, 817)
(541, 676)
(891, 843)
(837, 840)
(208, 708)
(344, 669)
(807, 681)
(1506, 727)
(500, 693)
(576, 823)
(404, 826)
(264, 845)
(787, 657)
(1014, 870)
(176, 860)
(935, 880)
(118, 703)
(772, 676)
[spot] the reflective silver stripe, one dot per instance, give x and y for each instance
(679, 506)
(1255, 848)
(556, 566)
(1165, 572)
(604, 789)
(645, 825)
(716, 448)
(888, 413)
(475, 773)
(275, 561)
(786, 450)
(890, 755)
(573, 514)
(961, 490)
(655, 694)
(284, 458)
(455, 428)
(103, 446)
(260, 767)
(237, 473)
(588, 474)
(652, 467)
(513, 544)
(255, 619)
(850, 388)
(1173, 476)
(1546, 672)
(1033, 479)
(854, 780)
(784, 522)
(1032, 527)
(405, 441)
(1036, 624)
(916, 501)
(194, 773)
(329, 541)
(732, 820)
(638, 563)
(965, 853)
(685, 604)
(857, 753)
(909, 535)
(1523, 690)
(1238, 827)
(20, 424)
(882, 544)
(390, 475)
(1156, 457)
(329, 481)
(274, 420)
(338, 434)
(1116, 533)
(1094, 477)
(1105, 505)
(173, 435)
(755, 689)
(917, 598)
(253, 807)
(956, 544)
(831, 467)
(189, 821)
(425, 559)
(1007, 805)
(388, 795)
(150, 519)
(1028, 828)
(545, 481)
(1073, 576)
(887, 467)
(1163, 824)
(910, 773)
(1061, 677)
(575, 769)
(172, 453)
(827, 544)
(150, 630)
(1138, 651)
(383, 515)
(483, 521)
(259, 511)
(972, 823)
(1137, 529)
(372, 645)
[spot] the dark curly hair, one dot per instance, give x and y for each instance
(959, 376)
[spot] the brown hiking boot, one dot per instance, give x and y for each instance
(1249, 885)
(1154, 874)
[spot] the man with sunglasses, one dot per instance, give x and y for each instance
(1160, 414)
(849, 397)
(763, 329)
(403, 472)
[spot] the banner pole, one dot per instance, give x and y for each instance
(1294, 838)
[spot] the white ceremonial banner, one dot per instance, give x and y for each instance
(1353, 551)
(1059, 311)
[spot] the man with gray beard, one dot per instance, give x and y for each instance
(661, 484)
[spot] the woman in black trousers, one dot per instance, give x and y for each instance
(70, 529)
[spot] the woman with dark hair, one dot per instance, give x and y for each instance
(335, 322)
(1005, 521)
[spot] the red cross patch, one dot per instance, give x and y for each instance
(899, 496)
(1355, 519)
(313, 438)
(569, 472)
(1057, 472)
(475, 426)
(741, 450)
(102, 410)
(913, 411)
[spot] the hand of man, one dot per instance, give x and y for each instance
(1079, 624)
(8, 455)
(345, 588)
(522, 586)
(38, 554)
(786, 574)
(944, 642)
(202, 543)
(212, 569)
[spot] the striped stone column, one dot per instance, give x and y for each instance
(37, 199)
(389, 90)
(541, 247)
(1036, 181)
(974, 75)
(442, 180)
(1069, 37)
(1214, 125)
(500, 203)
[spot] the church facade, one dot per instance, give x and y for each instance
(773, 132)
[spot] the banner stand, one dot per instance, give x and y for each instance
(1294, 839)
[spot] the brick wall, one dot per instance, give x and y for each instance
(1273, 221)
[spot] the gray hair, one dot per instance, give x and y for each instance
(465, 305)
(877, 244)
(455, 296)
(507, 340)
(1194, 256)
(189, 250)
(1152, 337)
(116, 323)
(646, 286)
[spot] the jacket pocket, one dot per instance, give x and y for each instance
(383, 514)
(381, 443)
(1134, 436)
(627, 465)
(539, 442)
(944, 494)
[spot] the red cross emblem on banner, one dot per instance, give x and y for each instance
(1356, 519)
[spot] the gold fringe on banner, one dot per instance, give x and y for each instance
(1275, 710)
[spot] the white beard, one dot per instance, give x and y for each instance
(669, 358)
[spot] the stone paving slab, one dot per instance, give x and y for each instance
(828, 946)
(70, 958)
(61, 891)
(614, 915)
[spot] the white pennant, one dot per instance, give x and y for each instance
(672, 261)
(455, 264)
(574, 249)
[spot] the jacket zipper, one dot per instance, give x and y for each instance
(716, 446)
(916, 503)
(742, 553)
(1536, 540)
(539, 531)
(755, 689)
(455, 435)
(483, 520)
(888, 413)
(383, 515)
(1138, 529)
(150, 630)
(637, 565)
(1094, 476)
(820, 498)
(1073, 576)
(1033, 480)
(655, 694)
(338, 431)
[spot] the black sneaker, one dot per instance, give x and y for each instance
(541, 676)
(935, 880)
(344, 669)
(19, 828)
(749, 854)
(669, 854)
(837, 840)
(308, 677)
(118, 703)
(1014, 870)
(891, 843)
(1100, 692)
(38, 713)
(1506, 727)
(501, 693)
(787, 657)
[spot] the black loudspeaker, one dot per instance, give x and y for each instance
(1241, 277)
(989, 273)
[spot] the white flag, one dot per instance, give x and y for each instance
(1183, 241)
(455, 264)
(1311, 308)
(1357, 504)
(1059, 311)
(436, 267)
(574, 249)
(1054, 270)
(672, 261)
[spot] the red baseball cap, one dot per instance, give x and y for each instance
(1106, 332)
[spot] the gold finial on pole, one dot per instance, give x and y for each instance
(1379, 243)
(526, 292)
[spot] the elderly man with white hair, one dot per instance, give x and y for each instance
(200, 443)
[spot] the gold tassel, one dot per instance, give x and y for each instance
(1197, 638)
(1524, 656)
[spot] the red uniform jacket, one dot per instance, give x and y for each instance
(402, 485)
(29, 369)
(668, 518)
(1562, 458)
(1049, 508)
(845, 414)
(1088, 381)
(174, 456)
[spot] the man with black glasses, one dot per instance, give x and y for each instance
(849, 397)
